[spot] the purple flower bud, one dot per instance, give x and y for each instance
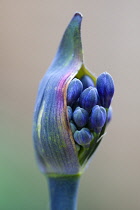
(80, 117)
(105, 87)
(73, 127)
(97, 118)
(109, 114)
(87, 81)
(88, 98)
(83, 137)
(74, 90)
(69, 112)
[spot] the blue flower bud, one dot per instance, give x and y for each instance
(109, 114)
(69, 112)
(87, 81)
(83, 137)
(88, 98)
(80, 117)
(105, 87)
(74, 90)
(97, 118)
(73, 127)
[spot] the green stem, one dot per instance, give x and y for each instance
(63, 192)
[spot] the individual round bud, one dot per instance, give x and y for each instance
(83, 137)
(109, 114)
(87, 81)
(97, 118)
(80, 117)
(73, 127)
(88, 98)
(105, 87)
(69, 112)
(74, 90)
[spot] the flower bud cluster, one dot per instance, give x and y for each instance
(88, 106)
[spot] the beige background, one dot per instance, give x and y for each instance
(30, 34)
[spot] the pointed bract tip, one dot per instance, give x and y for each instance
(77, 17)
(78, 14)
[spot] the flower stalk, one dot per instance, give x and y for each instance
(63, 192)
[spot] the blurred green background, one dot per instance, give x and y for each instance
(30, 34)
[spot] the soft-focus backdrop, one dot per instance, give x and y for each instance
(30, 34)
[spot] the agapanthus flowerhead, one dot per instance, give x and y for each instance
(72, 108)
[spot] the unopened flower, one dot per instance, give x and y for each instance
(83, 137)
(74, 90)
(88, 98)
(80, 117)
(68, 110)
(105, 87)
(87, 81)
(97, 118)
